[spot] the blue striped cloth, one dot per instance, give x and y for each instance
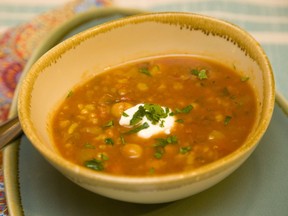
(17, 12)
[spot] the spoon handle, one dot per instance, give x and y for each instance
(9, 130)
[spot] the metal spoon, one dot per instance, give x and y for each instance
(9, 130)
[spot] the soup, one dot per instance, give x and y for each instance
(155, 116)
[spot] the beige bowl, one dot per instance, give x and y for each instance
(113, 43)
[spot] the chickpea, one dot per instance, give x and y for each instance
(118, 108)
(142, 86)
(155, 70)
(64, 123)
(93, 130)
(132, 150)
(216, 135)
(72, 128)
(122, 91)
(219, 117)
(109, 132)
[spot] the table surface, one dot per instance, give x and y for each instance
(24, 22)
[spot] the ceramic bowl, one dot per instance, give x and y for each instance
(92, 51)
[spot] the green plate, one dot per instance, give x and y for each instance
(258, 187)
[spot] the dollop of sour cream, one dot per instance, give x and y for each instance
(165, 125)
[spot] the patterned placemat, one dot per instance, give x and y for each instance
(17, 45)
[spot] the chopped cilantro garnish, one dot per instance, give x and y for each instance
(172, 139)
(179, 121)
(186, 110)
(109, 141)
(145, 70)
(139, 128)
(122, 139)
(125, 114)
(109, 123)
(104, 157)
(70, 93)
(185, 150)
(200, 74)
(153, 113)
(160, 142)
(89, 146)
(227, 120)
(244, 79)
(138, 116)
(162, 123)
(94, 164)
(159, 152)
(152, 170)
(163, 142)
(195, 72)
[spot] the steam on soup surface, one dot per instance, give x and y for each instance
(155, 116)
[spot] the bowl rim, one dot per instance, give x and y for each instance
(166, 180)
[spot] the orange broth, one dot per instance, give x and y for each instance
(213, 106)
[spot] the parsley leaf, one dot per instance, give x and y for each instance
(89, 146)
(138, 115)
(154, 112)
(227, 120)
(152, 170)
(172, 139)
(163, 142)
(109, 124)
(103, 157)
(162, 123)
(185, 110)
(70, 93)
(125, 114)
(145, 70)
(185, 150)
(122, 139)
(244, 79)
(94, 164)
(109, 141)
(179, 121)
(139, 128)
(159, 153)
(200, 74)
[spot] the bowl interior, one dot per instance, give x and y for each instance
(88, 53)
